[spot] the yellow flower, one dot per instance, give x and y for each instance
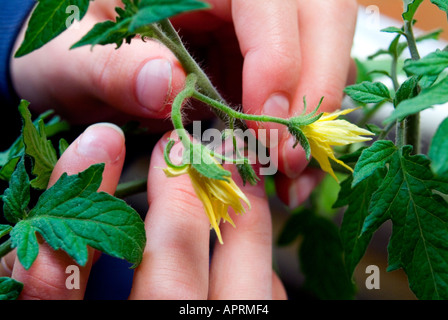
(327, 132)
(216, 195)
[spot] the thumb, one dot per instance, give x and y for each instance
(46, 279)
(90, 84)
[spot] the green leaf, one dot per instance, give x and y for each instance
(107, 32)
(72, 215)
(4, 229)
(133, 17)
(407, 90)
(151, 11)
(410, 8)
(373, 158)
(63, 145)
(38, 147)
(10, 157)
(393, 30)
(368, 92)
(205, 164)
(357, 200)
(408, 196)
(442, 4)
(17, 196)
(434, 95)
(438, 150)
(321, 260)
(49, 19)
(10, 289)
(431, 65)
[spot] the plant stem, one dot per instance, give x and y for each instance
(171, 39)
(176, 114)
(5, 248)
(130, 188)
(412, 123)
(236, 114)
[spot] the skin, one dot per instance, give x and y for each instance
(253, 50)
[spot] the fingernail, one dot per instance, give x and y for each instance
(154, 84)
(293, 158)
(277, 105)
(99, 142)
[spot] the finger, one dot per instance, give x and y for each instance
(325, 52)
(278, 290)
(241, 268)
(139, 79)
(46, 279)
(7, 263)
(269, 40)
(176, 258)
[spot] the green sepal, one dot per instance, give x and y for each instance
(247, 173)
(199, 158)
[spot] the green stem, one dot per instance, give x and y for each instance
(5, 248)
(412, 123)
(130, 188)
(236, 114)
(171, 39)
(176, 114)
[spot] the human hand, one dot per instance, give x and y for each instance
(175, 262)
(267, 54)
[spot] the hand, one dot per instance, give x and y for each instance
(176, 258)
(269, 54)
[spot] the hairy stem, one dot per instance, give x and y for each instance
(236, 114)
(412, 123)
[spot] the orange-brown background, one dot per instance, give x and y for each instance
(428, 17)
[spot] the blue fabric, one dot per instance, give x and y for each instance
(12, 17)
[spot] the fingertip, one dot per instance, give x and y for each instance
(294, 192)
(99, 143)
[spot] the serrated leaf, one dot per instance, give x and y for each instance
(10, 289)
(368, 92)
(72, 215)
(438, 150)
(442, 4)
(38, 147)
(10, 157)
(431, 65)
(48, 20)
(407, 90)
(107, 32)
(419, 217)
(151, 11)
(17, 195)
(410, 8)
(373, 158)
(357, 200)
(427, 98)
